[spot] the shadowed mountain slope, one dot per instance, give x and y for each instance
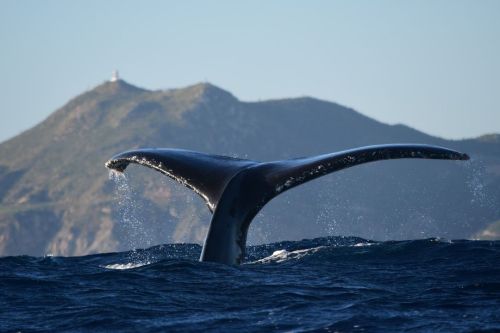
(55, 195)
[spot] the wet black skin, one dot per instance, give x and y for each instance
(235, 190)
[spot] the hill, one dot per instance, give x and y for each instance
(56, 196)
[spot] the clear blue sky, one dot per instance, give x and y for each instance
(433, 65)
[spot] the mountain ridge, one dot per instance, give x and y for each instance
(52, 177)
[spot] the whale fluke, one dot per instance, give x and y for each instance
(235, 190)
(205, 174)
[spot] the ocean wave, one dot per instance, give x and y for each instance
(332, 283)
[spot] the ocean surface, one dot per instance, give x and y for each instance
(333, 284)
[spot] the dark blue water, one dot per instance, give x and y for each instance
(326, 284)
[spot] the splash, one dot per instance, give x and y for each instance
(259, 232)
(476, 182)
(363, 244)
(129, 265)
(136, 234)
(284, 255)
(330, 205)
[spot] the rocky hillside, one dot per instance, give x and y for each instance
(56, 196)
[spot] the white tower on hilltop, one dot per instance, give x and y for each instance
(114, 77)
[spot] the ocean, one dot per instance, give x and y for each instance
(332, 284)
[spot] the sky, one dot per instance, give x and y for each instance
(433, 65)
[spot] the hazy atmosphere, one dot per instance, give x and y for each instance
(432, 65)
(249, 166)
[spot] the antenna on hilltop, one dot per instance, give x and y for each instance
(114, 77)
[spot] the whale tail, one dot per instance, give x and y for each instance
(235, 190)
